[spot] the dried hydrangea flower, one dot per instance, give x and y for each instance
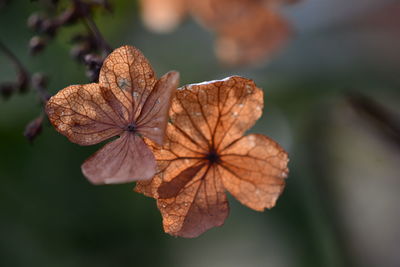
(128, 102)
(206, 154)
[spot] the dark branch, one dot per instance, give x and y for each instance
(13, 58)
(89, 22)
(384, 120)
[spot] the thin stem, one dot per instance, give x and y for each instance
(88, 20)
(13, 58)
(43, 94)
(24, 74)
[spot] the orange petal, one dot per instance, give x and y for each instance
(173, 188)
(200, 205)
(216, 113)
(124, 160)
(84, 114)
(129, 76)
(253, 170)
(153, 118)
(173, 159)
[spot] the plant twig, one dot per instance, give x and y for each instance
(13, 58)
(89, 22)
(385, 122)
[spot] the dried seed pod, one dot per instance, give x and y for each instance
(33, 129)
(79, 51)
(92, 60)
(49, 27)
(36, 44)
(35, 21)
(93, 63)
(92, 75)
(39, 80)
(7, 89)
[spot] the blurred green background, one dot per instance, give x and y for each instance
(341, 203)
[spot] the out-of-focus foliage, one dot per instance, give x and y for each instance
(340, 206)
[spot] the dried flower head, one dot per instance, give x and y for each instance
(248, 31)
(206, 154)
(128, 102)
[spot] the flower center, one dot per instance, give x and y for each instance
(131, 127)
(213, 156)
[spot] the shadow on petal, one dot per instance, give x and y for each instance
(124, 160)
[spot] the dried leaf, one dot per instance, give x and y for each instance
(128, 102)
(205, 154)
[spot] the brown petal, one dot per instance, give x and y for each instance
(200, 205)
(174, 187)
(84, 115)
(252, 38)
(129, 76)
(163, 15)
(247, 31)
(124, 160)
(253, 171)
(217, 112)
(173, 159)
(153, 118)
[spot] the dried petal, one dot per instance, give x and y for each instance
(85, 114)
(168, 189)
(153, 118)
(7, 89)
(199, 206)
(217, 112)
(36, 44)
(129, 76)
(124, 160)
(253, 170)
